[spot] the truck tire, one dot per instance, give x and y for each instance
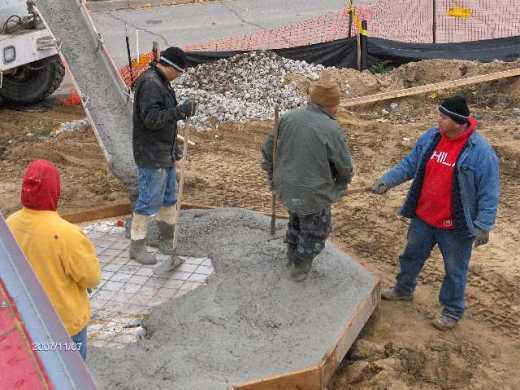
(33, 82)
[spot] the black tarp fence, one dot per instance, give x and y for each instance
(342, 53)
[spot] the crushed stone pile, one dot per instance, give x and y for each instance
(246, 86)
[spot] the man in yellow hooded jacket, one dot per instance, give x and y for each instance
(61, 256)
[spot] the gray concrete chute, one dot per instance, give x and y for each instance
(104, 94)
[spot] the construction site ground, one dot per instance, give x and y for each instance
(399, 348)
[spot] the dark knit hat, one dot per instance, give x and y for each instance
(456, 108)
(174, 57)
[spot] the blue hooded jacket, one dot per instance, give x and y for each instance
(477, 173)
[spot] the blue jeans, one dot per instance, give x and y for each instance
(456, 252)
(81, 342)
(156, 190)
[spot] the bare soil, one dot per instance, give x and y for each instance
(398, 349)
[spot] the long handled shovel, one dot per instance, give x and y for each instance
(275, 141)
(174, 262)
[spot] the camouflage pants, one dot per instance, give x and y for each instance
(306, 235)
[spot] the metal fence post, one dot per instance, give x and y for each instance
(434, 22)
(364, 44)
(350, 18)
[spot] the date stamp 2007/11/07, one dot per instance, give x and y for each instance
(56, 346)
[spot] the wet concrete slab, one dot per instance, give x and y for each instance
(250, 321)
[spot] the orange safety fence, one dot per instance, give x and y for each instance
(400, 20)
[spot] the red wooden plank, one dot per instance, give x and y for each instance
(20, 366)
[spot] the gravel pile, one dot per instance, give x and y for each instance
(243, 87)
(71, 127)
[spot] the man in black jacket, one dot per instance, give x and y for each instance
(155, 117)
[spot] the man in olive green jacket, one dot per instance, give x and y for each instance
(312, 170)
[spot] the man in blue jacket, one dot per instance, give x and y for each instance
(452, 203)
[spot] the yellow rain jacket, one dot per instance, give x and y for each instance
(63, 259)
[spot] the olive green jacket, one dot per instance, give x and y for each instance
(313, 164)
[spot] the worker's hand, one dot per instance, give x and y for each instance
(188, 108)
(177, 152)
(379, 187)
(481, 237)
(178, 170)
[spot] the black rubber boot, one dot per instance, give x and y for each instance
(168, 266)
(139, 253)
(300, 269)
(166, 232)
(291, 254)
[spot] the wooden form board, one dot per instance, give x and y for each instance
(117, 210)
(122, 209)
(379, 97)
(319, 376)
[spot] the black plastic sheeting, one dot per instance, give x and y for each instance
(397, 53)
(342, 53)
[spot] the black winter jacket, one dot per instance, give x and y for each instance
(155, 121)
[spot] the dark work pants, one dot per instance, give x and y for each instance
(306, 235)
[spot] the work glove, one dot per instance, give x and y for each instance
(187, 108)
(481, 237)
(379, 187)
(177, 152)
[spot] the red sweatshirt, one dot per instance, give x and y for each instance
(435, 202)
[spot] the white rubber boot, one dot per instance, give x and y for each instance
(138, 241)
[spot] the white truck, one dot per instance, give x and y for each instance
(30, 69)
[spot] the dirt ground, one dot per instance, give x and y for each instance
(398, 348)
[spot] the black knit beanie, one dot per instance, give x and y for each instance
(174, 57)
(456, 108)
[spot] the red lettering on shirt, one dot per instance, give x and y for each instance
(435, 205)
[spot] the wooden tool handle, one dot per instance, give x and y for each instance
(275, 141)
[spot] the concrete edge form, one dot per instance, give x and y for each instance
(122, 209)
(318, 377)
(65, 368)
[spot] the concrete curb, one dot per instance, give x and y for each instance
(113, 5)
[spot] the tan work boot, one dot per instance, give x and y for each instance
(390, 294)
(444, 323)
(138, 250)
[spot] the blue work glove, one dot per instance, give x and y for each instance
(481, 237)
(379, 187)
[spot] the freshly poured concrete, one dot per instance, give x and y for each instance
(129, 290)
(249, 322)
